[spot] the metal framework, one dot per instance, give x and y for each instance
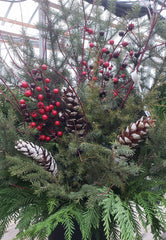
(36, 39)
(36, 13)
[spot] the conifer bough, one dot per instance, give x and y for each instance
(40, 154)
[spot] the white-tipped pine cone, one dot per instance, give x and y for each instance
(40, 154)
(136, 132)
(75, 122)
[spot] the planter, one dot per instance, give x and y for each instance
(58, 234)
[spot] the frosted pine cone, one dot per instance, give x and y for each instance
(136, 132)
(41, 155)
(75, 122)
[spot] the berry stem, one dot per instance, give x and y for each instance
(125, 98)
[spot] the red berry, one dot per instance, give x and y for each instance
(40, 97)
(59, 133)
(84, 63)
(115, 80)
(56, 90)
(123, 75)
(23, 106)
(101, 62)
(116, 54)
(44, 117)
(33, 124)
(40, 105)
(130, 26)
(22, 101)
(47, 80)
(34, 115)
(124, 44)
(44, 67)
(38, 88)
(104, 50)
(94, 78)
(54, 112)
(106, 64)
(107, 74)
(121, 33)
(110, 68)
(33, 85)
(101, 70)
(24, 84)
(58, 104)
(48, 139)
(101, 33)
(39, 128)
(34, 71)
(91, 45)
(47, 108)
(41, 111)
(131, 53)
(137, 54)
(57, 123)
(28, 93)
(111, 41)
(110, 56)
(121, 68)
(84, 73)
(115, 94)
(90, 31)
(51, 106)
(42, 137)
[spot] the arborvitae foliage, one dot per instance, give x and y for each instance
(101, 185)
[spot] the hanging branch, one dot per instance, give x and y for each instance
(9, 52)
(15, 107)
(9, 90)
(18, 55)
(153, 23)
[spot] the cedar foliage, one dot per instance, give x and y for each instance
(90, 188)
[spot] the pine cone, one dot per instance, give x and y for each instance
(136, 132)
(41, 155)
(75, 122)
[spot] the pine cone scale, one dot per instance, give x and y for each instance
(39, 154)
(136, 132)
(75, 122)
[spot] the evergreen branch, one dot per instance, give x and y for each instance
(113, 206)
(91, 220)
(15, 204)
(134, 217)
(43, 229)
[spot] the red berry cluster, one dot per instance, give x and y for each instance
(44, 115)
(107, 60)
